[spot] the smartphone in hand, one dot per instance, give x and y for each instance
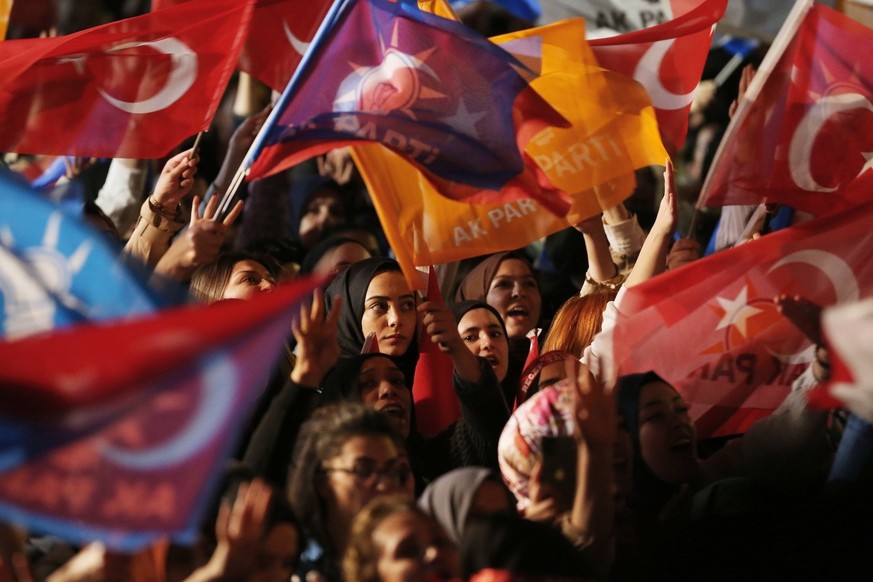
(559, 469)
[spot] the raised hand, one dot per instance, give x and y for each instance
(199, 244)
(683, 251)
(440, 324)
(337, 164)
(438, 321)
(668, 211)
(175, 181)
(317, 346)
(543, 505)
(595, 407)
(745, 80)
(239, 530)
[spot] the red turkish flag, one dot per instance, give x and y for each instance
(134, 88)
(280, 33)
(711, 328)
(807, 131)
(433, 389)
(666, 59)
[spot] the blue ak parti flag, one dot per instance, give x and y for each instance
(56, 270)
(431, 89)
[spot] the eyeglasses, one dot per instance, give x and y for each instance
(367, 473)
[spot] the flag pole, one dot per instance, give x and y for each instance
(324, 28)
(771, 59)
(195, 149)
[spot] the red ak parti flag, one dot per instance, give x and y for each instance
(432, 90)
(436, 404)
(280, 33)
(134, 88)
(667, 59)
(711, 328)
(118, 431)
(805, 134)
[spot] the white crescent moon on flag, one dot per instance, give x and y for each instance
(838, 272)
(181, 78)
(217, 397)
(800, 150)
(647, 73)
(298, 45)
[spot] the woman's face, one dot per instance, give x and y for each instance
(383, 388)
(340, 258)
(248, 279)
(324, 209)
(515, 293)
(411, 548)
(367, 466)
(482, 333)
(389, 312)
(668, 442)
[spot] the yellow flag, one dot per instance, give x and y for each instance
(425, 228)
(5, 10)
(438, 7)
(613, 128)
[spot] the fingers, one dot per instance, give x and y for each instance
(177, 162)
(211, 206)
(195, 210)
(669, 179)
(233, 214)
(316, 310)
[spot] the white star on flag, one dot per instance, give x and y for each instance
(737, 312)
(463, 119)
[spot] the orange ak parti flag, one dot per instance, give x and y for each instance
(613, 132)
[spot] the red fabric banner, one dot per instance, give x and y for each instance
(280, 33)
(134, 88)
(711, 328)
(805, 138)
(436, 404)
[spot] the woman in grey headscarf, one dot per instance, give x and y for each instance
(462, 492)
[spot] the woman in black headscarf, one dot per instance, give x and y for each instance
(378, 381)
(506, 281)
(376, 299)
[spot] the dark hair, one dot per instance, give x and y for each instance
(323, 247)
(321, 438)
(208, 281)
